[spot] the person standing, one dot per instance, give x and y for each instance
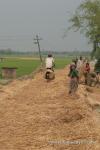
(86, 72)
(80, 67)
(79, 63)
(74, 78)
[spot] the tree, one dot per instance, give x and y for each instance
(87, 20)
(97, 66)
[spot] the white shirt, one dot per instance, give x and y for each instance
(49, 62)
(79, 64)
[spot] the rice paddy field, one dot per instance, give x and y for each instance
(26, 65)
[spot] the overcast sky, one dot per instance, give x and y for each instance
(21, 20)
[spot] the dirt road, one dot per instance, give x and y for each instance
(36, 115)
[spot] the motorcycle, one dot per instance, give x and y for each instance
(49, 74)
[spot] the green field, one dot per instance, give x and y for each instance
(62, 62)
(26, 65)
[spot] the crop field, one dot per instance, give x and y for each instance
(24, 66)
(60, 63)
(27, 65)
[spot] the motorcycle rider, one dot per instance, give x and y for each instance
(50, 62)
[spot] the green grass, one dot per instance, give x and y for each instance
(61, 62)
(27, 66)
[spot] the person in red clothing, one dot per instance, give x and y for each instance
(86, 72)
(87, 67)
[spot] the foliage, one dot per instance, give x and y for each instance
(97, 66)
(97, 53)
(87, 20)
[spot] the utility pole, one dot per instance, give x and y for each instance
(37, 41)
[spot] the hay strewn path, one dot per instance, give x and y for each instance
(36, 115)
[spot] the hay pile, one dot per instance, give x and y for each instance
(37, 115)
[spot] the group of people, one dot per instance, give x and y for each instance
(81, 69)
(78, 68)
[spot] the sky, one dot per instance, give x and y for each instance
(22, 20)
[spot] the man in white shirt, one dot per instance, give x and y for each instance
(49, 62)
(80, 67)
(79, 63)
